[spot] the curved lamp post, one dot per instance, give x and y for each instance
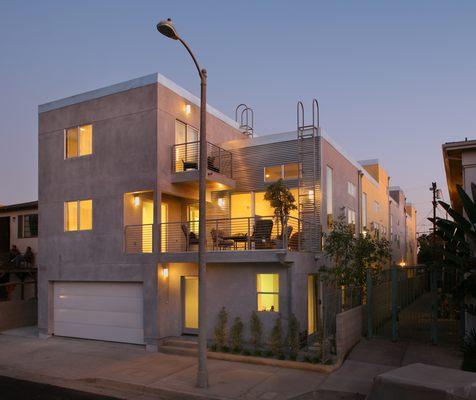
(167, 28)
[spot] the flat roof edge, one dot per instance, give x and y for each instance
(133, 84)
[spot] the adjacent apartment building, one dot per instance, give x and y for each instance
(118, 205)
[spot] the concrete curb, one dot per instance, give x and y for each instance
(325, 369)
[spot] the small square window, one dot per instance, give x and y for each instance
(78, 215)
(291, 171)
(79, 141)
(272, 174)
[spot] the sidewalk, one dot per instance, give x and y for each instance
(127, 371)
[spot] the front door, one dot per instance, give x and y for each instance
(4, 234)
(190, 304)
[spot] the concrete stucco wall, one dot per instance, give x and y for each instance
(18, 313)
(348, 330)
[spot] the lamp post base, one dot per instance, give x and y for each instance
(202, 379)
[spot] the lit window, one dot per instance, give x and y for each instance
(27, 226)
(79, 141)
(351, 189)
(285, 172)
(351, 217)
(329, 196)
(78, 215)
(267, 287)
(272, 174)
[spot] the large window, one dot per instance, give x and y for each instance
(351, 217)
(79, 141)
(194, 217)
(78, 215)
(185, 133)
(364, 210)
(267, 287)
(27, 226)
(329, 196)
(285, 172)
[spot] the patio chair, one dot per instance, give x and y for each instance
(261, 236)
(186, 165)
(219, 241)
(293, 241)
(190, 237)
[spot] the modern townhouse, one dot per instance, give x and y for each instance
(118, 203)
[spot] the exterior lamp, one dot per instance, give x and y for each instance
(165, 272)
(167, 29)
(136, 200)
(188, 109)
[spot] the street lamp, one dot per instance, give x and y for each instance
(167, 28)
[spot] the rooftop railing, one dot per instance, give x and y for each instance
(186, 157)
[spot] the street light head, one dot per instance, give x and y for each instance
(167, 28)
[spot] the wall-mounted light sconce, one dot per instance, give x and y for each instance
(188, 109)
(165, 272)
(402, 263)
(136, 200)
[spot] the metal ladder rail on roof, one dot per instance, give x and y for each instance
(246, 119)
(309, 176)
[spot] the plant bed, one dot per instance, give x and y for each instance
(275, 362)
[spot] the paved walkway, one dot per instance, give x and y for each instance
(127, 371)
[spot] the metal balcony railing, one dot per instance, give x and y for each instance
(186, 157)
(225, 234)
(139, 238)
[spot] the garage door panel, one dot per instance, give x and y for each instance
(114, 304)
(106, 289)
(126, 335)
(116, 319)
(99, 310)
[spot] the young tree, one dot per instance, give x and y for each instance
(220, 329)
(293, 337)
(282, 200)
(276, 339)
(236, 335)
(256, 329)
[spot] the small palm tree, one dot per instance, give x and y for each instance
(282, 200)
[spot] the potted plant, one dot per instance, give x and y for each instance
(283, 202)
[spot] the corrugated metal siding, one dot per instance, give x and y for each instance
(249, 163)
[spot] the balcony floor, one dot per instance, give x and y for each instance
(215, 180)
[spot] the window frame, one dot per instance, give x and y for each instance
(21, 226)
(329, 190)
(258, 293)
(78, 215)
(65, 141)
(282, 175)
(351, 189)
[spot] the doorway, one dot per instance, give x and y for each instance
(190, 304)
(4, 234)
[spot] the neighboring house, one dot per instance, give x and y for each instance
(398, 226)
(118, 197)
(19, 227)
(460, 167)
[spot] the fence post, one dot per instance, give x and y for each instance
(368, 294)
(434, 306)
(394, 302)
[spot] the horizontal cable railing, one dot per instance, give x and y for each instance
(249, 233)
(186, 157)
(139, 238)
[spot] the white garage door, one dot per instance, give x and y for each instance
(99, 310)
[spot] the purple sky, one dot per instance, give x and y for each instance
(394, 80)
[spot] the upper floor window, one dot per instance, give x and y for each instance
(329, 196)
(285, 172)
(185, 133)
(351, 189)
(376, 206)
(79, 141)
(78, 215)
(27, 226)
(351, 217)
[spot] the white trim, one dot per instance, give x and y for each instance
(133, 84)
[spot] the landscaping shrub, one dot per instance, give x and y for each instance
(220, 329)
(256, 328)
(293, 337)
(236, 335)
(468, 347)
(276, 339)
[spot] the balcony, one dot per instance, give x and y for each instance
(186, 165)
(237, 234)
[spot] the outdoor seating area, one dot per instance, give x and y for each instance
(235, 234)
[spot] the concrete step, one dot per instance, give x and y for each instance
(180, 351)
(179, 342)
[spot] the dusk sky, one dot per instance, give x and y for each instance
(394, 80)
